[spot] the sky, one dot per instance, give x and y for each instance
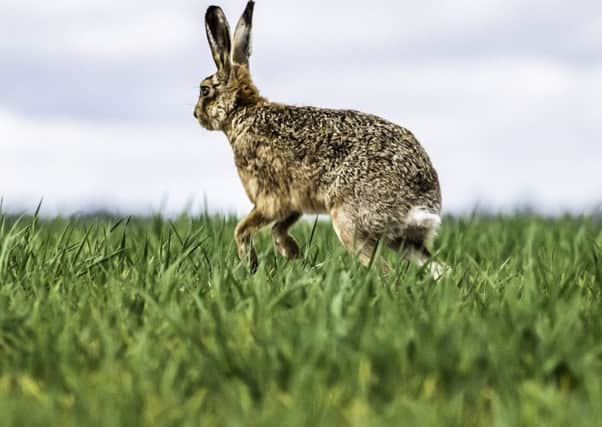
(96, 97)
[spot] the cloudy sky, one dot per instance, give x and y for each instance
(96, 97)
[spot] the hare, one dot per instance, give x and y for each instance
(371, 176)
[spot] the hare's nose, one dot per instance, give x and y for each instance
(195, 114)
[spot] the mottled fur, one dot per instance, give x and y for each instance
(372, 176)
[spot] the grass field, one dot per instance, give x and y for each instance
(149, 322)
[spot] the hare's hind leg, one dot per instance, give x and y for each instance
(285, 244)
(356, 241)
(243, 236)
(417, 253)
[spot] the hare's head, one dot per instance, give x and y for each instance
(231, 87)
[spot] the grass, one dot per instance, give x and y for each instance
(131, 322)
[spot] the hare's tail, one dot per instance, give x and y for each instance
(421, 225)
(420, 228)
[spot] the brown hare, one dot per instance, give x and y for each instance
(371, 176)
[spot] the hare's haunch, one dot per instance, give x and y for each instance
(372, 176)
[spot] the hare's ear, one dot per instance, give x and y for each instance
(242, 36)
(218, 34)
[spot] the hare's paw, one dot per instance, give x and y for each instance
(248, 255)
(286, 246)
(252, 261)
(438, 269)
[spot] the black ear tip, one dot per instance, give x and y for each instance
(212, 11)
(248, 13)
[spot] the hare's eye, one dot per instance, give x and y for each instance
(205, 90)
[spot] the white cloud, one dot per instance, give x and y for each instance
(138, 34)
(75, 166)
(312, 28)
(151, 32)
(589, 36)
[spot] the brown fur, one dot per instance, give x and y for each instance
(364, 171)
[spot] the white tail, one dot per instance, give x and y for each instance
(422, 219)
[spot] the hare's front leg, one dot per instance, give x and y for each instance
(285, 244)
(243, 235)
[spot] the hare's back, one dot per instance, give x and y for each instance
(353, 152)
(385, 166)
(337, 134)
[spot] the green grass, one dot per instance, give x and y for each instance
(150, 322)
